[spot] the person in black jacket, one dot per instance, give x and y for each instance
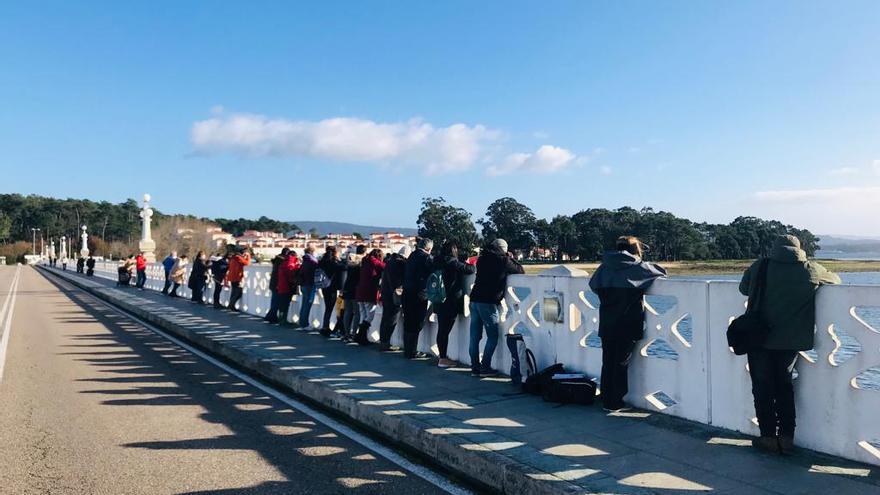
(90, 266)
(454, 272)
(419, 267)
(391, 289)
(620, 282)
(334, 269)
(493, 267)
(351, 318)
(274, 301)
(198, 277)
(219, 266)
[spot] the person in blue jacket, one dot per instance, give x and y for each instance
(168, 264)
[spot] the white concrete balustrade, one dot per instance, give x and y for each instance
(706, 382)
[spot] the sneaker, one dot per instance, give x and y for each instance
(385, 347)
(419, 355)
(445, 363)
(616, 409)
(487, 371)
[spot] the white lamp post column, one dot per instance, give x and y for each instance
(84, 252)
(146, 244)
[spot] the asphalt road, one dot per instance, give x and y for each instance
(92, 402)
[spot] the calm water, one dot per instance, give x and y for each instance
(870, 379)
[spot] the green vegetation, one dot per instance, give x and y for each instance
(588, 233)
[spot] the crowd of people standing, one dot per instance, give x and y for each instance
(354, 282)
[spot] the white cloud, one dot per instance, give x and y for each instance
(843, 171)
(875, 165)
(546, 160)
(842, 195)
(839, 210)
(605, 170)
(414, 142)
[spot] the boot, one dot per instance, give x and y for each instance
(361, 337)
(767, 444)
(786, 444)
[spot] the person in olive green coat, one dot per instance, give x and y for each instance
(788, 307)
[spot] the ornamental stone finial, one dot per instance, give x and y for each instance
(146, 244)
(84, 252)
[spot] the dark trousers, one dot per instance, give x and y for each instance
(174, 288)
(234, 295)
(284, 301)
(415, 308)
(771, 373)
(329, 305)
(446, 314)
(218, 289)
(141, 279)
(198, 291)
(390, 313)
(616, 354)
(167, 283)
(272, 314)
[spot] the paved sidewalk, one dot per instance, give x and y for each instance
(483, 428)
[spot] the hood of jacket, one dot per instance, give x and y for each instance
(621, 269)
(787, 249)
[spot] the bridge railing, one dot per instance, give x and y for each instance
(683, 367)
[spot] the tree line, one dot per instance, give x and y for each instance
(588, 233)
(114, 228)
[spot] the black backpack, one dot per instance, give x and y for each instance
(749, 331)
(538, 382)
(570, 389)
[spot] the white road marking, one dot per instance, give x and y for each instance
(6, 318)
(421, 471)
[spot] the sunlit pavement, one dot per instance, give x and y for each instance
(476, 425)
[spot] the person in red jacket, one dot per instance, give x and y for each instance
(141, 265)
(367, 293)
(234, 277)
(288, 276)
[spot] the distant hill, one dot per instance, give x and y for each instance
(347, 228)
(829, 245)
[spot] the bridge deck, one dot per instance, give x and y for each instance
(485, 429)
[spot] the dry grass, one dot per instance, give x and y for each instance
(718, 267)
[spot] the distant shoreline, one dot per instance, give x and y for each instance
(720, 267)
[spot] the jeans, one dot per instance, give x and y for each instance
(367, 311)
(141, 279)
(308, 299)
(771, 373)
(390, 312)
(616, 354)
(446, 315)
(329, 305)
(234, 295)
(351, 317)
(218, 289)
(484, 315)
(415, 309)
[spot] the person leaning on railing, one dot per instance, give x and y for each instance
(788, 308)
(620, 282)
(235, 275)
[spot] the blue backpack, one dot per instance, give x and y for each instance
(435, 289)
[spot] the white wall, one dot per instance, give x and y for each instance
(707, 381)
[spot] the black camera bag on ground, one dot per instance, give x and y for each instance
(573, 389)
(536, 383)
(749, 331)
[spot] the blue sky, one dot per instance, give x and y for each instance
(354, 111)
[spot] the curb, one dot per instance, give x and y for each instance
(483, 467)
